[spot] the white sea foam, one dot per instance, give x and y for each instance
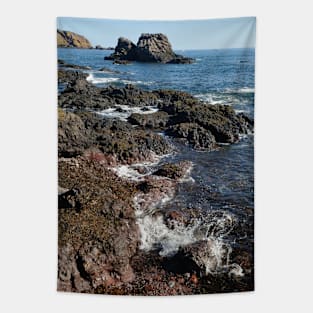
(214, 98)
(107, 80)
(101, 80)
(187, 178)
(122, 112)
(246, 90)
(131, 172)
(136, 82)
(155, 234)
(229, 97)
(128, 172)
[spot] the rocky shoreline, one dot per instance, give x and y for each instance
(112, 185)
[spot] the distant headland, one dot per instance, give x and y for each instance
(67, 39)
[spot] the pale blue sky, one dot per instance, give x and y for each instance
(189, 34)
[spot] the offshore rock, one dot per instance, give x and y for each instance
(154, 48)
(125, 50)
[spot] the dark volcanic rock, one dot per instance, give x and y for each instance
(62, 63)
(125, 50)
(173, 170)
(70, 76)
(149, 48)
(107, 70)
(173, 101)
(179, 59)
(186, 117)
(122, 62)
(99, 47)
(69, 199)
(220, 120)
(157, 120)
(130, 145)
(198, 257)
(154, 48)
(114, 139)
(73, 137)
(89, 96)
(195, 135)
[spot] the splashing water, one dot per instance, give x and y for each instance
(169, 237)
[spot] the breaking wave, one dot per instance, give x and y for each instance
(122, 112)
(168, 237)
(97, 78)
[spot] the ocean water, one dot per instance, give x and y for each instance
(218, 76)
(222, 180)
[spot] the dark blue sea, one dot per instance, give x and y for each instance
(223, 179)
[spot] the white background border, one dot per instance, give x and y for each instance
(283, 155)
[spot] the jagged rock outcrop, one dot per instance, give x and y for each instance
(150, 48)
(198, 137)
(112, 140)
(181, 115)
(69, 39)
(63, 64)
(125, 50)
(99, 234)
(157, 120)
(154, 48)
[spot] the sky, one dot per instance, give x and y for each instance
(183, 35)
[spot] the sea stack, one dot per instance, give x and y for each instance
(154, 48)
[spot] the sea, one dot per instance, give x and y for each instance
(221, 182)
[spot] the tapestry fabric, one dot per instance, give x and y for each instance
(155, 156)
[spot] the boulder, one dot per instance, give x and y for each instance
(83, 131)
(173, 170)
(198, 137)
(73, 137)
(157, 120)
(125, 50)
(65, 76)
(221, 120)
(199, 258)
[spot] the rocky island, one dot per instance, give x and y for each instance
(149, 48)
